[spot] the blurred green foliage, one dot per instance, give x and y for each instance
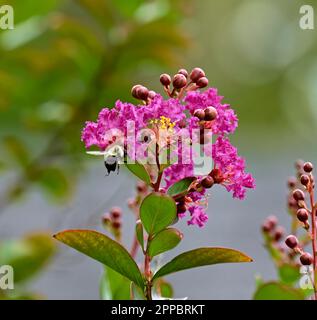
(64, 61)
(27, 256)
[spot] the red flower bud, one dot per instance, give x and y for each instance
(210, 114)
(202, 82)
(207, 182)
(306, 259)
(200, 114)
(304, 179)
(302, 215)
(196, 74)
(291, 241)
(298, 195)
(308, 167)
(179, 81)
(165, 79)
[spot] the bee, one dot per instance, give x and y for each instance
(113, 157)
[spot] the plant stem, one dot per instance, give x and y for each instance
(314, 247)
(148, 275)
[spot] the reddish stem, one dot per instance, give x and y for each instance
(314, 246)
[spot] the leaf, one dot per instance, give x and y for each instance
(165, 240)
(157, 211)
(114, 286)
(278, 291)
(139, 233)
(288, 273)
(180, 187)
(103, 249)
(27, 256)
(136, 293)
(17, 150)
(138, 170)
(165, 289)
(201, 257)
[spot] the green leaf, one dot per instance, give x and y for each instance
(165, 289)
(16, 148)
(114, 286)
(103, 249)
(139, 233)
(201, 257)
(27, 256)
(180, 187)
(157, 211)
(289, 273)
(136, 293)
(165, 240)
(139, 170)
(278, 291)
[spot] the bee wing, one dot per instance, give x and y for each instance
(96, 153)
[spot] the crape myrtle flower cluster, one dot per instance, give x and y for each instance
(302, 207)
(186, 108)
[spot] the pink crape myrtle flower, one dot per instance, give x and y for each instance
(175, 114)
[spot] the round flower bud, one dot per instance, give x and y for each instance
(299, 164)
(304, 179)
(105, 219)
(272, 222)
(165, 79)
(134, 91)
(179, 81)
(202, 82)
(115, 213)
(298, 195)
(196, 74)
(266, 227)
(308, 167)
(116, 224)
(291, 241)
(183, 72)
(152, 94)
(210, 114)
(279, 233)
(302, 215)
(181, 208)
(306, 259)
(142, 93)
(200, 114)
(291, 182)
(207, 182)
(141, 186)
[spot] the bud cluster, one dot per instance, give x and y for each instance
(112, 221)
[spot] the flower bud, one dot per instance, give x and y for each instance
(142, 93)
(298, 195)
(183, 72)
(179, 81)
(141, 186)
(134, 91)
(306, 259)
(105, 219)
(181, 208)
(291, 241)
(165, 79)
(202, 82)
(279, 233)
(152, 94)
(207, 182)
(196, 74)
(291, 182)
(308, 167)
(299, 165)
(210, 114)
(200, 114)
(302, 215)
(304, 179)
(116, 224)
(271, 221)
(115, 213)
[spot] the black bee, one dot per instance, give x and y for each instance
(113, 157)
